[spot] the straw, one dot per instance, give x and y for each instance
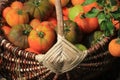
(63, 56)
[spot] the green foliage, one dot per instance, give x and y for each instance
(116, 14)
(93, 13)
(105, 14)
(88, 2)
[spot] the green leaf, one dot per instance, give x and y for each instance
(92, 13)
(103, 25)
(101, 17)
(107, 27)
(88, 2)
(113, 2)
(110, 27)
(116, 14)
(101, 2)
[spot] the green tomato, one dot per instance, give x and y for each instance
(81, 47)
(74, 11)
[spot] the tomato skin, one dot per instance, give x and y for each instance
(82, 23)
(87, 25)
(72, 32)
(31, 50)
(6, 29)
(5, 11)
(114, 47)
(42, 38)
(92, 23)
(34, 22)
(17, 16)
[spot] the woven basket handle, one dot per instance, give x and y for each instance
(59, 17)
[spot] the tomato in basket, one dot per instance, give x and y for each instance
(42, 38)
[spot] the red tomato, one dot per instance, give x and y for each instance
(42, 38)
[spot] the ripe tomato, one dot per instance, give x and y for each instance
(16, 5)
(31, 50)
(34, 22)
(65, 11)
(53, 21)
(42, 38)
(75, 2)
(88, 7)
(63, 2)
(5, 11)
(82, 23)
(87, 25)
(6, 30)
(114, 47)
(92, 23)
(15, 17)
(116, 24)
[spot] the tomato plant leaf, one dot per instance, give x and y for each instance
(88, 2)
(92, 13)
(107, 11)
(103, 25)
(110, 27)
(101, 2)
(113, 2)
(101, 17)
(116, 14)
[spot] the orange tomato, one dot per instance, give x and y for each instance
(75, 2)
(65, 11)
(87, 25)
(6, 30)
(116, 24)
(17, 5)
(82, 23)
(92, 23)
(88, 7)
(34, 23)
(42, 39)
(53, 21)
(15, 17)
(63, 2)
(114, 47)
(49, 24)
(5, 11)
(32, 50)
(65, 18)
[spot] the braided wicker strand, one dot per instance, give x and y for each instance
(13, 49)
(98, 45)
(22, 65)
(23, 69)
(14, 59)
(96, 57)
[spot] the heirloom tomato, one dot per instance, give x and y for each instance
(72, 32)
(114, 47)
(15, 17)
(40, 9)
(18, 35)
(42, 38)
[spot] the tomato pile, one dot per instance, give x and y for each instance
(32, 25)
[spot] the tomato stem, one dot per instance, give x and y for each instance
(26, 32)
(118, 41)
(20, 12)
(41, 34)
(36, 2)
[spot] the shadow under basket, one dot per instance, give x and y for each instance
(18, 64)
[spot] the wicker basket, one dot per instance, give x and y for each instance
(16, 65)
